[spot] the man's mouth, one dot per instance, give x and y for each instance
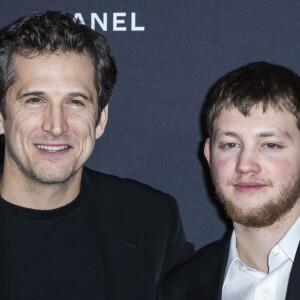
(249, 186)
(52, 148)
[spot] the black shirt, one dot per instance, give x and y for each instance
(51, 254)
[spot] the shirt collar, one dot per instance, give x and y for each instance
(232, 256)
(289, 242)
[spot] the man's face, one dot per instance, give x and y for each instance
(51, 111)
(255, 164)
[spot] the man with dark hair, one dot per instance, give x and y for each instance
(253, 121)
(68, 232)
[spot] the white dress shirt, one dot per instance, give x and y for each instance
(244, 283)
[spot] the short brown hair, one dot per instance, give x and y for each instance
(256, 84)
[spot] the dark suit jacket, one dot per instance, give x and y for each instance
(139, 232)
(202, 276)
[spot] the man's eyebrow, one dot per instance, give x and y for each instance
(277, 133)
(225, 133)
(33, 93)
(87, 96)
(84, 96)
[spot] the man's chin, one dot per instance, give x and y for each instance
(259, 217)
(51, 181)
(255, 218)
(267, 214)
(50, 177)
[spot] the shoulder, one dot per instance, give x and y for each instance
(182, 279)
(204, 257)
(212, 250)
(115, 181)
(131, 191)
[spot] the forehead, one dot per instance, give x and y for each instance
(273, 121)
(54, 70)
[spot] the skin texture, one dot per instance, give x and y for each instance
(53, 102)
(255, 167)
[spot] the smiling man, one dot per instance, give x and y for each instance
(253, 149)
(68, 232)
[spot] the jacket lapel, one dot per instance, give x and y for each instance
(293, 291)
(118, 240)
(211, 273)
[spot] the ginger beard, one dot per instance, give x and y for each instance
(267, 214)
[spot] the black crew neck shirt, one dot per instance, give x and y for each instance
(51, 254)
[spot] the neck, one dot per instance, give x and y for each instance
(255, 244)
(20, 190)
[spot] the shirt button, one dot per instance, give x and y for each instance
(243, 268)
(265, 290)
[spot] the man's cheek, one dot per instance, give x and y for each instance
(222, 166)
(222, 170)
(282, 168)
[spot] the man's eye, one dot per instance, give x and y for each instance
(34, 101)
(76, 102)
(272, 146)
(230, 145)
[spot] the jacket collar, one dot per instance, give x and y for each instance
(210, 272)
(293, 289)
(118, 237)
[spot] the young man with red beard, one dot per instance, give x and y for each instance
(253, 149)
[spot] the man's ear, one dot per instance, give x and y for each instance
(207, 150)
(102, 122)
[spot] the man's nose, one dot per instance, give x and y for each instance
(248, 161)
(55, 121)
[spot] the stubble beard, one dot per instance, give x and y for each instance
(33, 172)
(267, 214)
